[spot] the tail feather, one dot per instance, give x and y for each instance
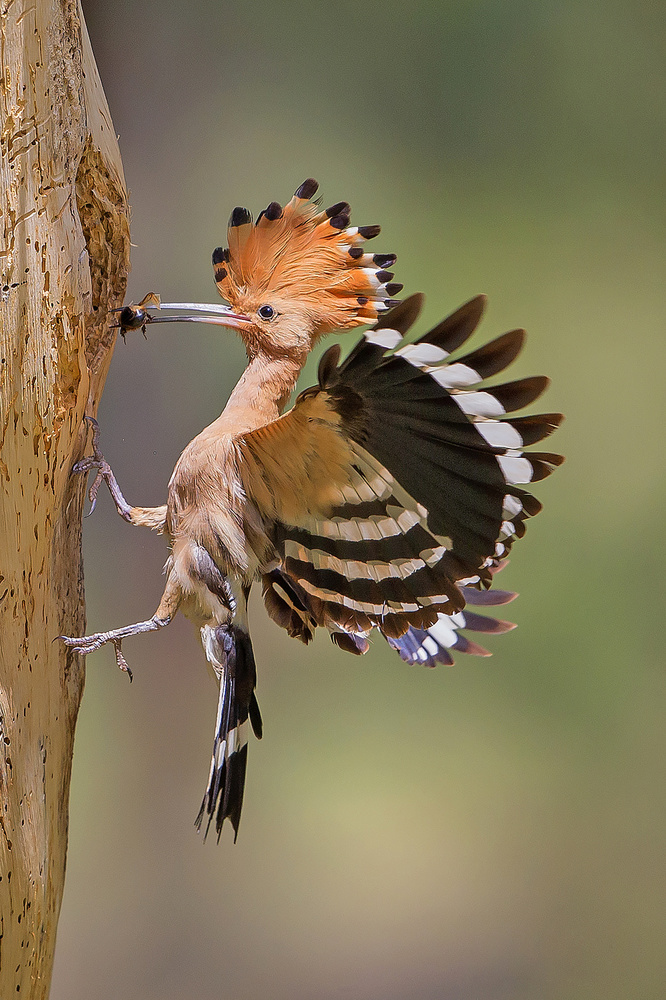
(229, 650)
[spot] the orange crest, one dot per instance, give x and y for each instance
(312, 258)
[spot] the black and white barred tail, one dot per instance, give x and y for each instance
(229, 650)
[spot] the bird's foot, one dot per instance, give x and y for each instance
(104, 473)
(91, 643)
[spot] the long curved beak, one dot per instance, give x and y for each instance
(133, 317)
(208, 313)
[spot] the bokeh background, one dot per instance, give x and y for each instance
(491, 831)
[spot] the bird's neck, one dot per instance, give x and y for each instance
(263, 390)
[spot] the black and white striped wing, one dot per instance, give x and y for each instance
(429, 492)
(446, 438)
(428, 647)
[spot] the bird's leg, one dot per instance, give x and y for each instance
(90, 643)
(168, 606)
(104, 472)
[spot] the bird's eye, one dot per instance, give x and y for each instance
(266, 312)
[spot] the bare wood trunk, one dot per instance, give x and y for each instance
(64, 260)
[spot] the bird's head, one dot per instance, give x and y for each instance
(299, 272)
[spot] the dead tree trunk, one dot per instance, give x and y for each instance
(64, 260)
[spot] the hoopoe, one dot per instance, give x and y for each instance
(386, 498)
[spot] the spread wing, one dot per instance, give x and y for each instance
(393, 489)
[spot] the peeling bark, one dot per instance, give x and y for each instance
(64, 260)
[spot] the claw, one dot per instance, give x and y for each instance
(92, 492)
(120, 659)
(95, 437)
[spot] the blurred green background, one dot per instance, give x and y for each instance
(486, 832)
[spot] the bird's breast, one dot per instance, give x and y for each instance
(207, 506)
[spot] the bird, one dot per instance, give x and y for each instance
(385, 500)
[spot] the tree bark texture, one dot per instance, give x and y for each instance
(64, 260)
